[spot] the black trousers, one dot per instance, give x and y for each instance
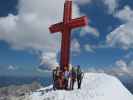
(72, 84)
(79, 81)
(66, 83)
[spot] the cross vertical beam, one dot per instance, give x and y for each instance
(65, 28)
(66, 36)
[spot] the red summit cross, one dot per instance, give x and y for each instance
(65, 28)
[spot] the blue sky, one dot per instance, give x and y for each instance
(26, 61)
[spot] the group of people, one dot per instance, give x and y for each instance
(67, 79)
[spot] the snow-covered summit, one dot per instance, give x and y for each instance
(94, 87)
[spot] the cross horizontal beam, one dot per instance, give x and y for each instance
(74, 23)
(78, 22)
(56, 27)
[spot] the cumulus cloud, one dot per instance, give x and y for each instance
(48, 61)
(129, 55)
(111, 5)
(119, 68)
(88, 48)
(123, 35)
(12, 68)
(75, 45)
(89, 30)
(29, 29)
(126, 14)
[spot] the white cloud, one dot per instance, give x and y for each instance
(75, 46)
(89, 30)
(129, 55)
(111, 5)
(123, 35)
(122, 65)
(119, 68)
(29, 29)
(101, 46)
(125, 14)
(48, 61)
(88, 48)
(12, 68)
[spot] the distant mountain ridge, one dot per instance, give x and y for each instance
(11, 80)
(14, 92)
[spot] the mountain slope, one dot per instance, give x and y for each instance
(94, 87)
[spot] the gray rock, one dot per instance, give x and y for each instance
(18, 92)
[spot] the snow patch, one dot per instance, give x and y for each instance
(94, 87)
